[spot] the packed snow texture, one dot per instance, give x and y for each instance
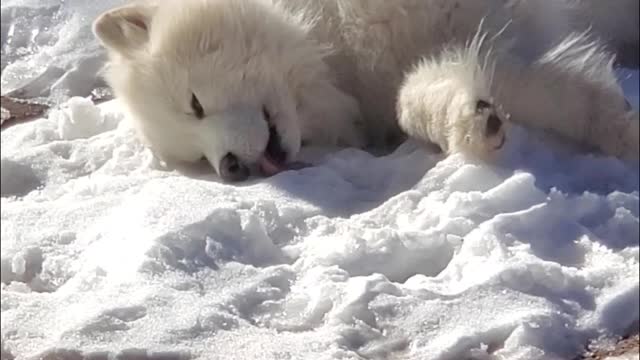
(624, 357)
(48, 50)
(404, 256)
(407, 255)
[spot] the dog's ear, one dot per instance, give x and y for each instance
(125, 29)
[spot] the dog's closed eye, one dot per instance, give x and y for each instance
(198, 111)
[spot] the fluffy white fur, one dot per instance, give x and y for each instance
(331, 72)
(238, 57)
(447, 100)
(616, 22)
(571, 91)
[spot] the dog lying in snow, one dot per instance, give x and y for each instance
(244, 83)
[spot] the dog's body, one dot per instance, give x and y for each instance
(615, 22)
(245, 82)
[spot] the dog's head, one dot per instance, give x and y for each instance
(212, 78)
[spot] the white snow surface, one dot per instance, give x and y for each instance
(624, 357)
(48, 49)
(404, 256)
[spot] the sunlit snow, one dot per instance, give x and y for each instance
(404, 256)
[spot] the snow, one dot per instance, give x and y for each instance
(48, 49)
(408, 255)
(624, 357)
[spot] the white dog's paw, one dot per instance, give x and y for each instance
(484, 134)
(477, 129)
(447, 102)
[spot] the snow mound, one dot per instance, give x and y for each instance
(623, 357)
(105, 253)
(48, 49)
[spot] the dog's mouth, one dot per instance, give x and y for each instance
(274, 157)
(272, 160)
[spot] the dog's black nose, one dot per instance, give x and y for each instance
(232, 170)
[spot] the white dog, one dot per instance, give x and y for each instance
(245, 82)
(451, 99)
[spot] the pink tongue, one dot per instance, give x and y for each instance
(269, 167)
